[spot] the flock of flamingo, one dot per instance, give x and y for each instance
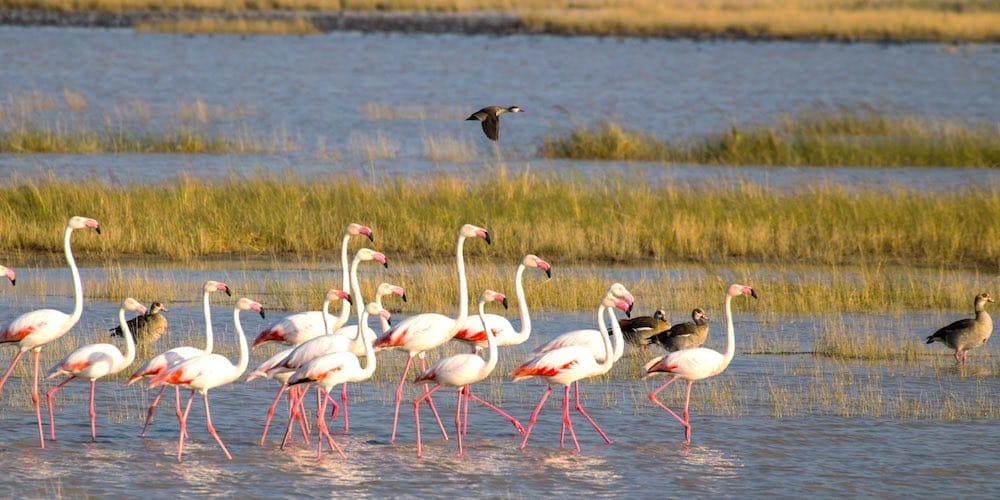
(326, 352)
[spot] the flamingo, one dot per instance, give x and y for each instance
(209, 371)
(32, 330)
(157, 364)
(337, 368)
(9, 274)
(425, 331)
(698, 363)
(460, 371)
(92, 362)
(568, 364)
(300, 327)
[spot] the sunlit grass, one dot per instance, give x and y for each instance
(232, 26)
(828, 137)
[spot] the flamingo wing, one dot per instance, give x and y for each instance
(555, 363)
(294, 329)
(413, 329)
(40, 323)
(453, 371)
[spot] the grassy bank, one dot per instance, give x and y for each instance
(828, 137)
(896, 20)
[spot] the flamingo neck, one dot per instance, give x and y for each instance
(384, 323)
(77, 284)
(730, 334)
(616, 332)
(327, 325)
(491, 344)
(345, 308)
(129, 341)
(207, 310)
(463, 286)
(359, 302)
(369, 369)
(609, 353)
(522, 306)
(244, 351)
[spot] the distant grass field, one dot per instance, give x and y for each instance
(848, 20)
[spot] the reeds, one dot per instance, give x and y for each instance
(230, 26)
(824, 137)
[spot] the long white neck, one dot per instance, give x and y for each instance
(491, 344)
(345, 308)
(616, 332)
(383, 322)
(730, 334)
(208, 324)
(77, 285)
(609, 354)
(359, 302)
(327, 324)
(244, 351)
(129, 342)
(463, 286)
(522, 306)
(369, 369)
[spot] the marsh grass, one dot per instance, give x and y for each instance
(230, 26)
(448, 149)
(823, 137)
(867, 339)
(381, 111)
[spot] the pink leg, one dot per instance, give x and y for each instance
(583, 412)
(343, 400)
(320, 393)
(48, 399)
(300, 416)
(683, 421)
(399, 399)
(296, 394)
(430, 402)
(458, 415)
(211, 428)
(465, 417)
(324, 431)
(498, 411)
(416, 415)
(38, 402)
(177, 406)
(534, 416)
(151, 409)
(567, 422)
(10, 368)
(93, 414)
(270, 411)
(183, 432)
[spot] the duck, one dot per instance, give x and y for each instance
(490, 117)
(686, 335)
(146, 328)
(639, 329)
(969, 333)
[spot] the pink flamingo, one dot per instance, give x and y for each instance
(264, 370)
(297, 356)
(460, 371)
(34, 329)
(593, 340)
(569, 364)
(337, 368)
(208, 372)
(9, 273)
(157, 364)
(696, 364)
(425, 331)
(92, 362)
(300, 327)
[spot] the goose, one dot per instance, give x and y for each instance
(638, 330)
(968, 333)
(146, 328)
(490, 117)
(686, 335)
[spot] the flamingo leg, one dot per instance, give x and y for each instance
(10, 368)
(566, 421)
(430, 402)
(534, 416)
(683, 421)
(151, 410)
(469, 395)
(38, 401)
(416, 415)
(270, 411)
(300, 416)
(180, 440)
(583, 412)
(93, 413)
(336, 408)
(177, 406)
(48, 399)
(322, 429)
(211, 428)
(296, 394)
(458, 415)
(399, 399)
(687, 416)
(465, 417)
(343, 400)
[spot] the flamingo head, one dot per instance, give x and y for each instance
(735, 290)
(612, 301)
(470, 231)
(9, 273)
(375, 309)
(217, 286)
(245, 304)
(387, 288)
(131, 304)
(493, 296)
(369, 254)
(333, 295)
(532, 260)
(77, 222)
(618, 290)
(356, 229)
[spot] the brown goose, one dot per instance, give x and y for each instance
(967, 333)
(637, 330)
(684, 335)
(147, 327)
(490, 116)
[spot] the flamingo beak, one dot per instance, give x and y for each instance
(225, 288)
(486, 236)
(753, 293)
(260, 309)
(504, 302)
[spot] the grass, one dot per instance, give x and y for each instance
(896, 20)
(826, 137)
(230, 26)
